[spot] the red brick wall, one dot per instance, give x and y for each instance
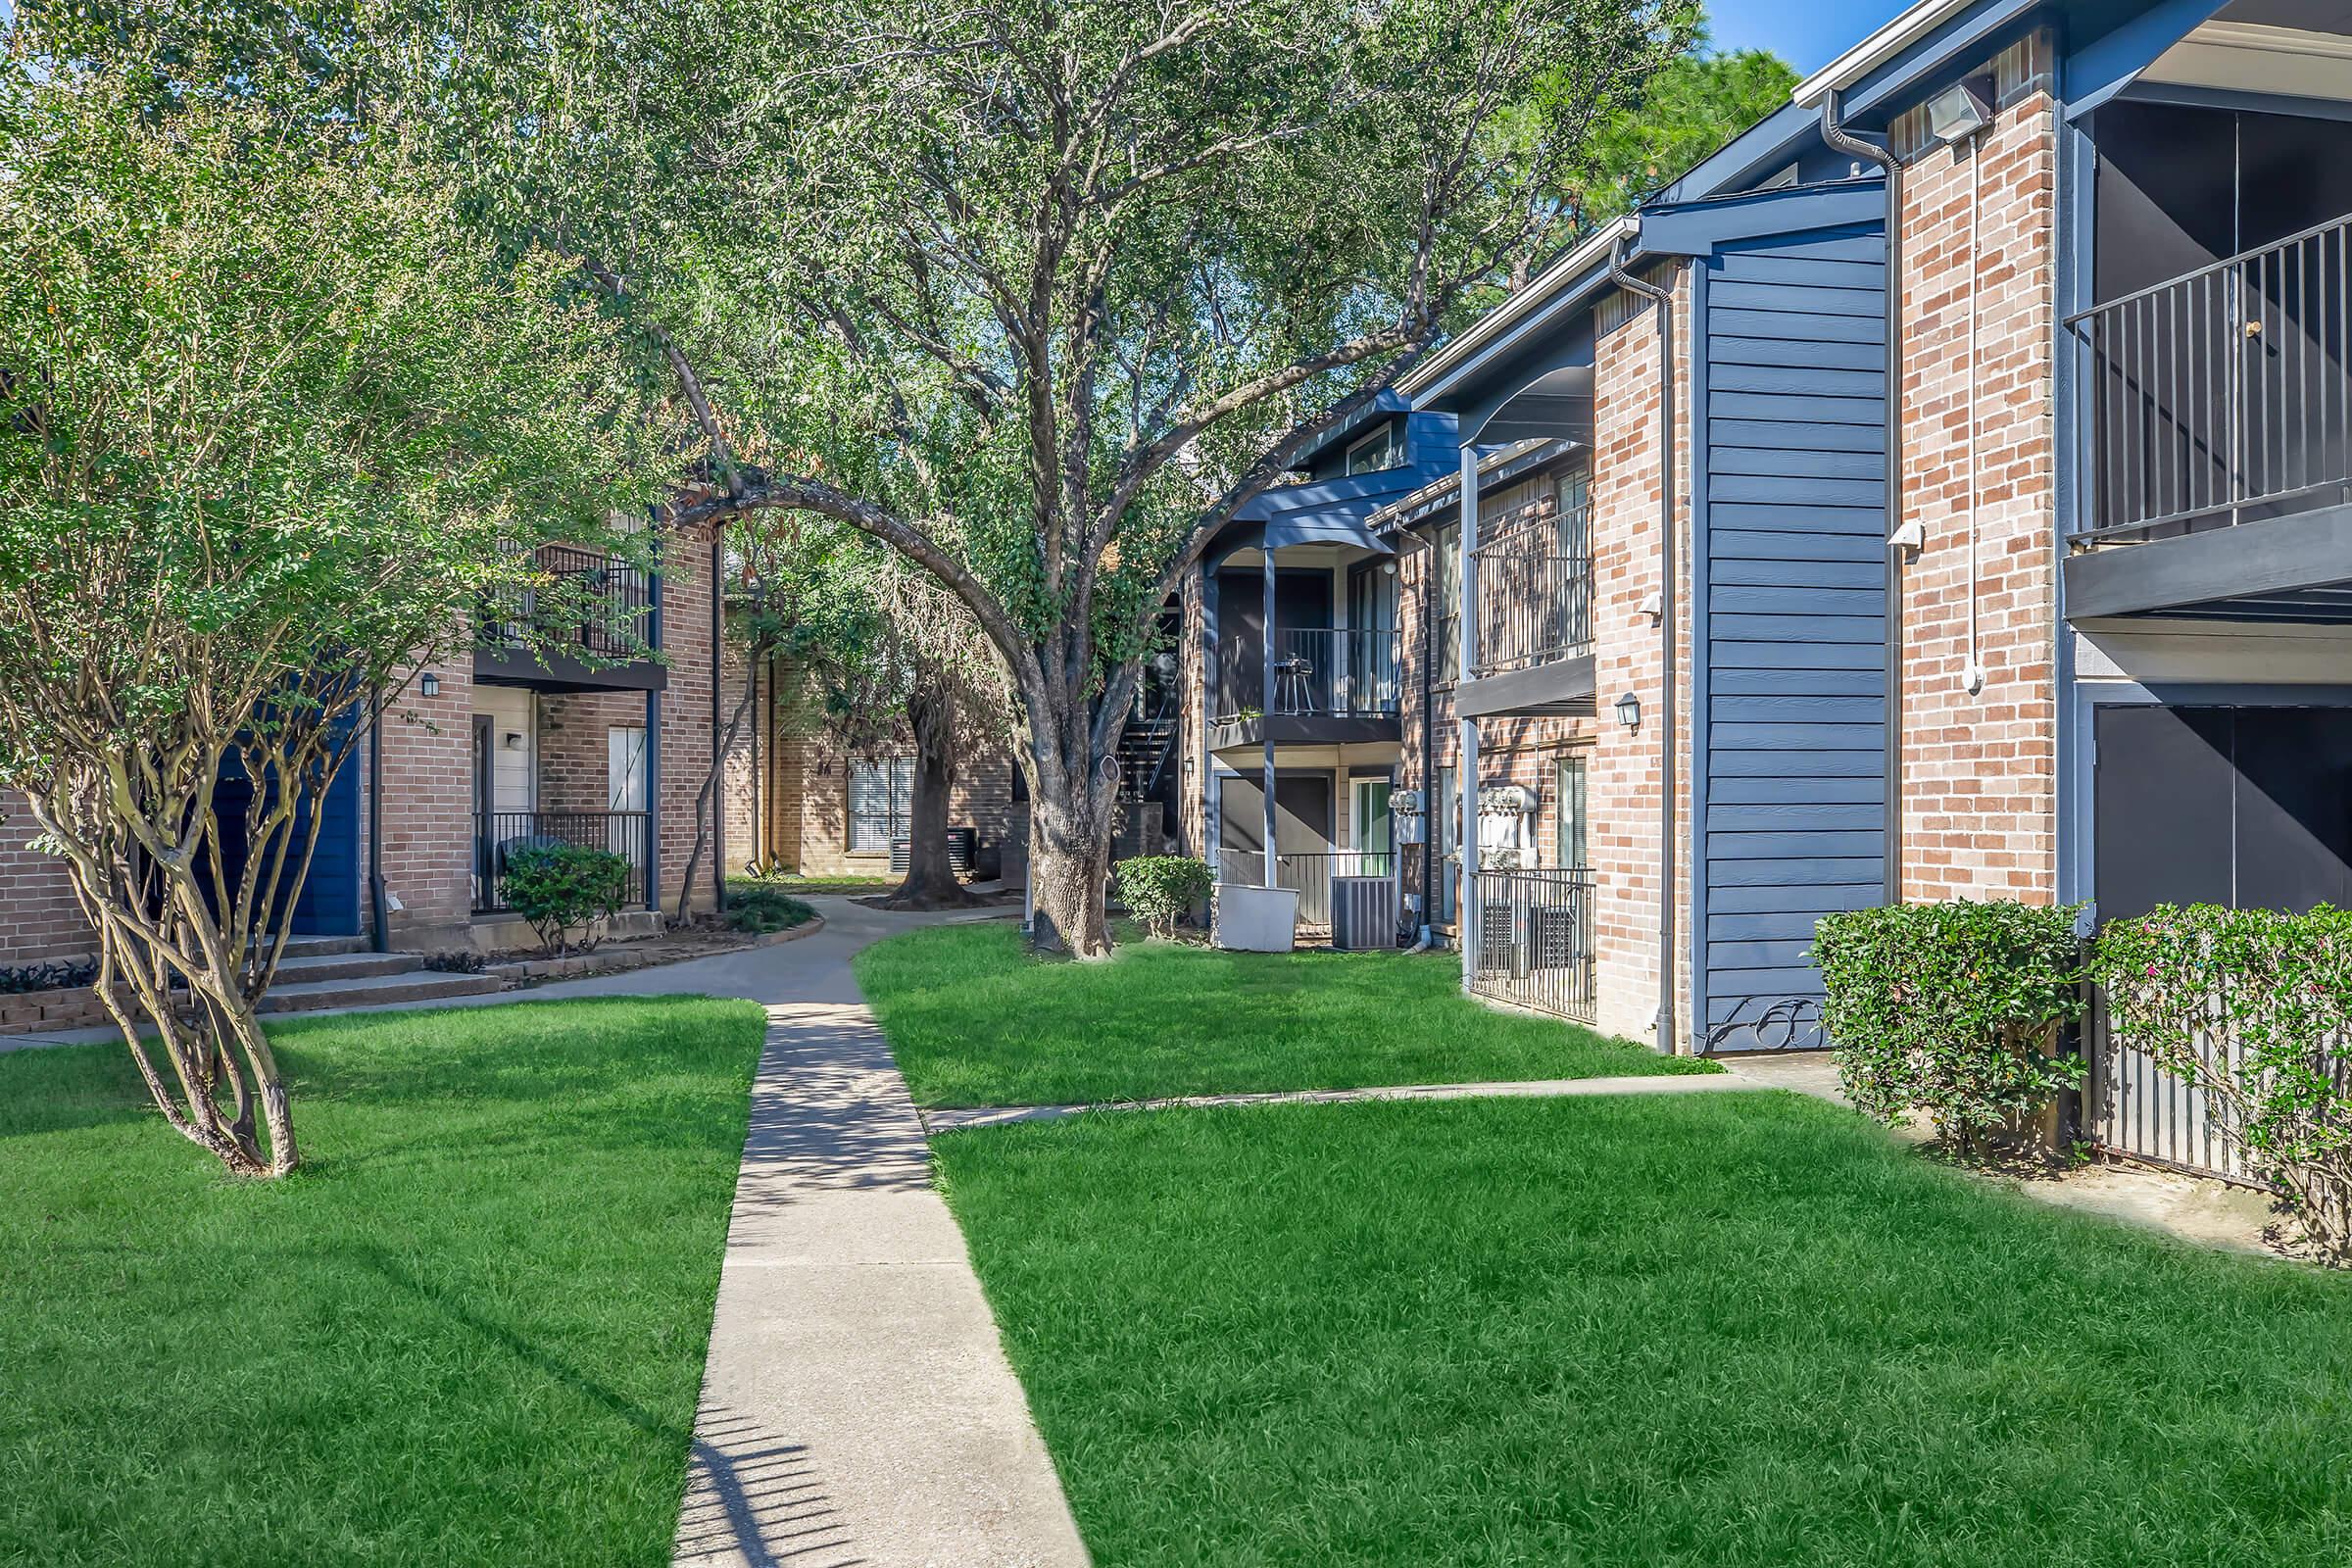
(39, 918)
(427, 808)
(1979, 769)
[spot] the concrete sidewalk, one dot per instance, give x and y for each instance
(857, 1404)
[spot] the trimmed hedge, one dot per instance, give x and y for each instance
(1953, 1010)
(2254, 1009)
(562, 888)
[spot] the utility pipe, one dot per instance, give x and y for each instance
(1467, 912)
(719, 763)
(1265, 703)
(377, 902)
(1833, 133)
(1669, 621)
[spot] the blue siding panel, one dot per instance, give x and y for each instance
(1792, 581)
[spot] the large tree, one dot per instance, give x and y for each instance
(1082, 278)
(267, 432)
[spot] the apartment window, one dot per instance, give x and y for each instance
(1575, 517)
(1379, 450)
(1569, 845)
(881, 798)
(1446, 576)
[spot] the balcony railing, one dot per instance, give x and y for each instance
(1321, 670)
(498, 835)
(1535, 598)
(593, 604)
(1309, 873)
(2223, 395)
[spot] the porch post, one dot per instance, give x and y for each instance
(653, 756)
(1466, 920)
(1265, 703)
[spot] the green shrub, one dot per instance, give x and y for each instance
(2254, 1009)
(1160, 889)
(1953, 1010)
(760, 907)
(562, 888)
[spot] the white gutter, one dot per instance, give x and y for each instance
(1591, 253)
(1876, 49)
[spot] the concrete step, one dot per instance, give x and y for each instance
(344, 966)
(319, 947)
(374, 991)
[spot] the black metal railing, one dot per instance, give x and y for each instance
(1338, 671)
(1308, 874)
(1535, 940)
(2223, 395)
(590, 602)
(497, 835)
(1534, 600)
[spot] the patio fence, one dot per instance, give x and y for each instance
(1535, 940)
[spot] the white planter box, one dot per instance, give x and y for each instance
(1255, 919)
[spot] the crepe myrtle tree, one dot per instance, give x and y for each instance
(1087, 277)
(268, 430)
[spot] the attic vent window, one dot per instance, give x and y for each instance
(1378, 450)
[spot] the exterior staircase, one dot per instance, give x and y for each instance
(320, 972)
(1144, 753)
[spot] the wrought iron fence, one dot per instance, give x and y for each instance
(1535, 940)
(592, 602)
(1310, 874)
(1534, 600)
(498, 835)
(2223, 395)
(1317, 670)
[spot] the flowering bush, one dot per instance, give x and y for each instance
(1160, 889)
(1954, 1010)
(2253, 1007)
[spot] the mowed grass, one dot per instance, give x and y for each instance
(1714, 1330)
(975, 1019)
(471, 1331)
(802, 886)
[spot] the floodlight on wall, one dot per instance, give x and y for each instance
(514, 739)
(429, 685)
(1961, 110)
(1628, 710)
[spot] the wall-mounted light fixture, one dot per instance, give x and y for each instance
(429, 685)
(514, 739)
(1961, 110)
(1628, 710)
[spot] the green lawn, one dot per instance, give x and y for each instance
(975, 1020)
(470, 1332)
(803, 885)
(1715, 1330)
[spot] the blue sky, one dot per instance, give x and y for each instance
(1807, 33)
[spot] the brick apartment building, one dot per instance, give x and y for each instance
(797, 800)
(480, 753)
(2021, 573)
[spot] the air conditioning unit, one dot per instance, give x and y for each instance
(1363, 914)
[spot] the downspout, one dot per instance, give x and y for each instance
(377, 905)
(1425, 938)
(1469, 920)
(653, 748)
(1669, 623)
(719, 763)
(1265, 707)
(1833, 133)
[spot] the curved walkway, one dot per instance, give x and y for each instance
(857, 1404)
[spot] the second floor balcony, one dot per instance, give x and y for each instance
(1306, 685)
(1532, 600)
(2217, 440)
(591, 623)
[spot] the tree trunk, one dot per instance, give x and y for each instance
(931, 882)
(1069, 870)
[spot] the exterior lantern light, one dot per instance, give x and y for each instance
(430, 684)
(1628, 710)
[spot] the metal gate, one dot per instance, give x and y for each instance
(2134, 1109)
(1535, 940)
